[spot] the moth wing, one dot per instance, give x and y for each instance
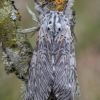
(39, 81)
(65, 68)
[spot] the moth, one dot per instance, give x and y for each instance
(53, 63)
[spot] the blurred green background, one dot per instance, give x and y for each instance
(87, 50)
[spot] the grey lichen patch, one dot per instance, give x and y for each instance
(8, 64)
(13, 15)
(78, 92)
(17, 49)
(23, 90)
(20, 56)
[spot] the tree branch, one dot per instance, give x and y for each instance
(17, 50)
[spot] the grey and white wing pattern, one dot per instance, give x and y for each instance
(53, 62)
(39, 83)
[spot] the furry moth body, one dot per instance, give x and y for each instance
(53, 61)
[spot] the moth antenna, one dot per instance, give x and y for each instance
(42, 9)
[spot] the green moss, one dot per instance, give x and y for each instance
(7, 26)
(7, 33)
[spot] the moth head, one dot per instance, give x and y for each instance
(55, 23)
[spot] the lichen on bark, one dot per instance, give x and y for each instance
(17, 50)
